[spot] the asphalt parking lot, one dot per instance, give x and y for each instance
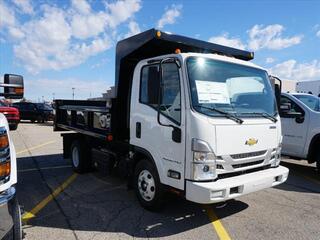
(59, 204)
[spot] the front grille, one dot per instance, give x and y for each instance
(247, 155)
(233, 174)
(241, 165)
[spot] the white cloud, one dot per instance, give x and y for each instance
(270, 37)
(133, 29)
(81, 6)
(270, 60)
(86, 26)
(170, 16)
(24, 6)
(318, 34)
(121, 11)
(7, 16)
(225, 40)
(291, 69)
(59, 38)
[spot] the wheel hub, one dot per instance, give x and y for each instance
(146, 185)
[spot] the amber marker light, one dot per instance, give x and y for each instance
(4, 141)
(4, 169)
(18, 90)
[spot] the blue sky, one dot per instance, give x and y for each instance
(58, 45)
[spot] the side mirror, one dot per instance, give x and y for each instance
(13, 86)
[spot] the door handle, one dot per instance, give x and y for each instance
(138, 129)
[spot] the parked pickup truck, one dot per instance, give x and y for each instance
(300, 118)
(12, 114)
(189, 116)
(10, 217)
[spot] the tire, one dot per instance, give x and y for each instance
(39, 119)
(80, 159)
(13, 127)
(17, 224)
(148, 188)
(32, 120)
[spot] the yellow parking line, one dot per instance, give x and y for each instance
(35, 147)
(28, 215)
(217, 224)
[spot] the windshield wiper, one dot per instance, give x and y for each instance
(263, 114)
(226, 114)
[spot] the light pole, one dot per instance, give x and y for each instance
(42, 98)
(73, 92)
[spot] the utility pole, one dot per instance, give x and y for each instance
(73, 92)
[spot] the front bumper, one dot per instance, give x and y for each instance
(7, 203)
(229, 188)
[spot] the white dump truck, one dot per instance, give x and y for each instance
(189, 116)
(10, 216)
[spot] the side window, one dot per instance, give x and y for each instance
(293, 106)
(171, 99)
(29, 107)
(170, 104)
(149, 85)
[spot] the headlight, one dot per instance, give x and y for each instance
(277, 157)
(203, 166)
(5, 167)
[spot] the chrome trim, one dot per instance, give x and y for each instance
(248, 154)
(200, 146)
(7, 195)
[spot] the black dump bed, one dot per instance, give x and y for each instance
(129, 52)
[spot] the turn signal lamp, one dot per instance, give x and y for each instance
(18, 90)
(4, 141)
(4, 169)
(158, 34)
(177, 51)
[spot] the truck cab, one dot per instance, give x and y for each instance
(225, 114)
(300, 117)
(189, 116)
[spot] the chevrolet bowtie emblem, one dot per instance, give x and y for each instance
(251, 141)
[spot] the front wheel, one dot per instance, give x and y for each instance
(148, 188)
(17, 226)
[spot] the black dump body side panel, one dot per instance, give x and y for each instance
(91, 118)
(147, 45)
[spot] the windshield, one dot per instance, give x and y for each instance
(44, 106)
(236, 89)
(310, 100)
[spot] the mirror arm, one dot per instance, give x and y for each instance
(10, 85)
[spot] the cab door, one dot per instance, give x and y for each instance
(151, 132)
(294, 129)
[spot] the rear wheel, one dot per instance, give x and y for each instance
(147, 185)
(80, 158)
